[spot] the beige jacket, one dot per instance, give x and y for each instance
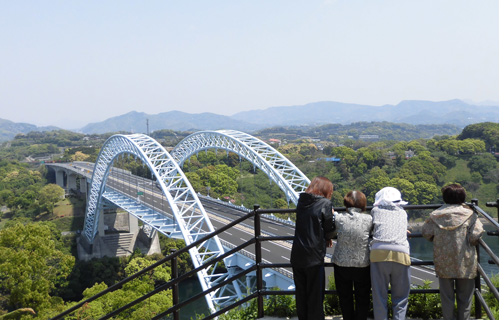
(454, 231)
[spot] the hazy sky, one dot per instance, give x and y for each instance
(69, 63)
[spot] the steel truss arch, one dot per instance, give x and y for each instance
(187, 209)
(278, 168)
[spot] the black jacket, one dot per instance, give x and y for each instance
(314, 223)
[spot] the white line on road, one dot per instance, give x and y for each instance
(418, 278)
(433, 273)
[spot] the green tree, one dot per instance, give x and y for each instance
(376, 180)
(427, 193)
(483, 163)
(416, 146)
(407, 189)
(129, 292)
(346, 154)
(486, 131)
(25, 200)
(159, 274)
(196, 183)
(450, 146)
(5, 196)
(369, 156)
(223, 180)
(79, 156)
(31, 265)
(49, 195)
(471, 146)
(280, 203)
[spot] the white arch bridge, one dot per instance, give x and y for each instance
(189, 219)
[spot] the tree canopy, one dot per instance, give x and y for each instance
(32, 266)
(485, 131)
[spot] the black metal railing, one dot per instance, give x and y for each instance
(260, 292)
(480, 301)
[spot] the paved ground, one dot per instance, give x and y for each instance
(326, 318)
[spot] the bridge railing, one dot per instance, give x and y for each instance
(260, 292)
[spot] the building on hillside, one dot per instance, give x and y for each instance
(273, 141)
(331, 159)
(369, 137)
(409, 154)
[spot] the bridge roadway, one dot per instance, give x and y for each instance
(221, 214)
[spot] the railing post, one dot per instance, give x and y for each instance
(175, 291)
(477, 280)
(477, 285)
(494, 205)
(258, 255)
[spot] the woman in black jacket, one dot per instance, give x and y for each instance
(314, 223)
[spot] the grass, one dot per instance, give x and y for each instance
(460, 172)
(487, 192)
(68, 215)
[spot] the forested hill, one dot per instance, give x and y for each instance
(372, 131)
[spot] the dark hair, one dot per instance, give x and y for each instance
(355, 199)
(320, 186)
(453, 194)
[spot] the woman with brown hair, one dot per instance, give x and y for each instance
(351, 257)
(314, 223)
(454, 230)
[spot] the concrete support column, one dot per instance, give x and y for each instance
(133, 224)
(101, 223)
(72, 181)
(60, 177)
(83, 185)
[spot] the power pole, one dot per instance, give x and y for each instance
(147, 126)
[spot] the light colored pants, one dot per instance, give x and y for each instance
(398, 276)
(464, 290)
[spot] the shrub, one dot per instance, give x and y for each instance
(424, 305)
(280, 305)
(490, 299)
(331, 301)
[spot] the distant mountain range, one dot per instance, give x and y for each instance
(9, 129)
(455, 112)
(174, 120)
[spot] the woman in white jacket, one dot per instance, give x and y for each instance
(390, 254)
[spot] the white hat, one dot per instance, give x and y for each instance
(389, 196)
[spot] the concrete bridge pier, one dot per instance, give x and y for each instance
(118, 235)
(133, 224)
(83, 184)
(72, 181)
(60, 177)
(101, 223)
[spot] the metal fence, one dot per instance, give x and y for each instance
(260, 292)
